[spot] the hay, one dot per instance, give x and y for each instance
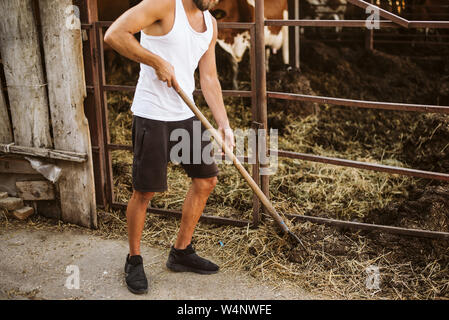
(336, 264)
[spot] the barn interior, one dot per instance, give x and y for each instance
(402, 66)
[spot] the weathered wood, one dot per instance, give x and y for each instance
(8, 181)
(5, 126)
(20, 51)
(16, 166)
(35, 190)
(66, 86)
(11, 203)
(23, 213)
(45, 153)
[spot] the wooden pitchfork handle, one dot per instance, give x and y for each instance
(238, 165)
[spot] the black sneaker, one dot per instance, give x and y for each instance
(188, 260)
(136, 280)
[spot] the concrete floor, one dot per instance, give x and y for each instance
(33, 266)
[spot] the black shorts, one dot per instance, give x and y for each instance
(152, 148)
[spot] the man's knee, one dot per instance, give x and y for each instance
(205, 185)
(142, 196)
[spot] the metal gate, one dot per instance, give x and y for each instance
(96, 109)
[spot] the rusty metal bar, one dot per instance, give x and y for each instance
(261, 87)
(398, 42)
(427, 43)
(371, 227)
(294, 35)
(429, 24)
(369, 37)
(109, 182)
(362, 165)
(361, 103)
(318, 220)
(93, 114)
(327, 23)
(178, 214)
(335, 161)
(255, 168)
(116, 147)
(383, 13)
(355, 23)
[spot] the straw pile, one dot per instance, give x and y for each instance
(337, 261)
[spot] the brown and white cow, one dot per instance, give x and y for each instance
(236, 42)
(324, 10)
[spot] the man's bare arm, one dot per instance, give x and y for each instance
(211, 88)
(120, 36)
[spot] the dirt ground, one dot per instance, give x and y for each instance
(33, 262)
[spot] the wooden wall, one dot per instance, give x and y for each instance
(44, 72)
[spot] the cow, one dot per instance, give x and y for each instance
(236, 42)
(324, 10)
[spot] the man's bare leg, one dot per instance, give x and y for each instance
(192, 209)
(135, 217)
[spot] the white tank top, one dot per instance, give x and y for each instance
(183, 48)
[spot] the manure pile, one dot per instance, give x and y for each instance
(337, 263)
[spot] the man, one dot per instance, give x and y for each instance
(177, 36)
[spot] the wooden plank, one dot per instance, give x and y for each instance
(66, 86)
(20, 51)
(22, 213)
(11, 203)
(5, 125)
(45, 153)
(16, 166)
(8, 181)
(35, 190)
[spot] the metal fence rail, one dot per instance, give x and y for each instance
(98, 88)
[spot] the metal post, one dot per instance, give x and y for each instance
(255, 167)
(89, 14)
(369, 37)
(261, 87)
(109, 186)
(295, 37)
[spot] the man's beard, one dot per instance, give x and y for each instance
(204, 5)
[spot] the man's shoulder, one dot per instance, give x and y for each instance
(160, 6)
